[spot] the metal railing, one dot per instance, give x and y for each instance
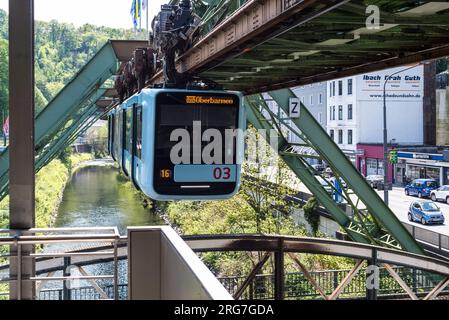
(298, 286)
(432, 241)
(401, 273)
(57, 248)
(85, 293)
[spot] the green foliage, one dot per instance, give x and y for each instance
(3, 73)
(232, 216)
(266, 185)
(97, 137)
(311, 214)
(442, 65)
(50, 183)
(61, 51)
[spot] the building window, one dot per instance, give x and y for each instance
(330, 89)
(332, 134)
(340, 112)
(330, 113)
(349, 136)
(333, 88)
(349, 111)
(321, 98)
(349, 86)
(302, 100)
(333, 112)
(340, 87)
(320, 117)
(340, 136)
(311, 100)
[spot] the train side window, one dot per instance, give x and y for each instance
(139, 132)
(129, 136)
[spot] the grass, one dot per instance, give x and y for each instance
(50, 184)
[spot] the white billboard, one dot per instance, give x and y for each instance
(403, 86)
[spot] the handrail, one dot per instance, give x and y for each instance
(38, 236)
(242, 242)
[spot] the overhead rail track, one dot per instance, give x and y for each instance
(274, 44)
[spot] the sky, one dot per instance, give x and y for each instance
(109, 13)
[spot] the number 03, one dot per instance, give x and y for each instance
(224, 173)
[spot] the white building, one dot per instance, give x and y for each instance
(355, 109)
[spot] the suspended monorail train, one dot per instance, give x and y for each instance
(179, 144)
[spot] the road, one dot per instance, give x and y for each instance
(399, 204)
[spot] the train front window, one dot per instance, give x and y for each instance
(204, 170)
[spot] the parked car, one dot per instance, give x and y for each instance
(374, 179)
(421, 187)
(426, 212)
(440, 194)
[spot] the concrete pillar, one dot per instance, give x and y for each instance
(21, 147)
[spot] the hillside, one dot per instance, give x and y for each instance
(61, 50)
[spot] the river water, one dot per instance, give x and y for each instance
(98, 196)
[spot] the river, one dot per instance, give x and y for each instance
(98, 196)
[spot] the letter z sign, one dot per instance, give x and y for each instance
(294, 107)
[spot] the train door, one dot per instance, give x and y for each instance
(109, 133)
(123, 144)
(111, 136)
(136, 144)
(117, 137)
(127, 141)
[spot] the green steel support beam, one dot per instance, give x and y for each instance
(332, 154)
(61, 141)
(84, 89)
(300, 169)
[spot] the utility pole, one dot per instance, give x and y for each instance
(21, 146)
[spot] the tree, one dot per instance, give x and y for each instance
(266, 186)
(4, 98)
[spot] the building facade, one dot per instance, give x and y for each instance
(355, 114)
(421, 163)
(314, 98)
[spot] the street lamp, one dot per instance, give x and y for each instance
(385, 142)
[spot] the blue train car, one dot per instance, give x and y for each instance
(180, 144)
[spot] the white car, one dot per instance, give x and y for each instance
(442, 194)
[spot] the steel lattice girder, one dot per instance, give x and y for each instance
(74, 101)
(377, 212)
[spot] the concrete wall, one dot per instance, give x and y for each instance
(163, 267)
(442, 119)
(327, 226)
